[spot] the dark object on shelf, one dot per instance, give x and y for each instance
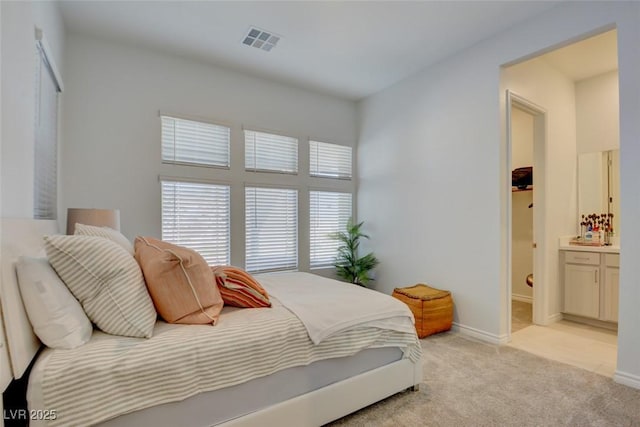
(522, 177)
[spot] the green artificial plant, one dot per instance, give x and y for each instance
(349, 266)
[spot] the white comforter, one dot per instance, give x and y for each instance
(112, 375)
(327, 306)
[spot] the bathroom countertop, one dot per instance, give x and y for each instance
(613, 249)
(564, 245)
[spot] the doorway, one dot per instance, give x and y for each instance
(526, 139)
(522, 241)
(577, 85)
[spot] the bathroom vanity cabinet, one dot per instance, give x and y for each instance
(590, 283)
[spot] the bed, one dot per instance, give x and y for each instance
(287, 380)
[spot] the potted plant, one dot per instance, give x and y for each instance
(350, 267)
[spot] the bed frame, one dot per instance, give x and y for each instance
(23, 237)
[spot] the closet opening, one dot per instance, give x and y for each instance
(526, 142)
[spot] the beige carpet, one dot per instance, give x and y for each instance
(469, 383)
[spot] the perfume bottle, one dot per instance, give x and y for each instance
(588, 235)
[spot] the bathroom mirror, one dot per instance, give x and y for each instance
(599, 184)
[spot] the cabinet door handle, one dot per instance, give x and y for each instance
(595, 275)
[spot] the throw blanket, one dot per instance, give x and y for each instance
(327, 306)
(112, 375)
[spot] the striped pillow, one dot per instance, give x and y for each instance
(239, 289)
(106, 232)
(106, 280)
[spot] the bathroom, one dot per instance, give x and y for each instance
(563, 122)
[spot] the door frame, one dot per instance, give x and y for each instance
(540, 288)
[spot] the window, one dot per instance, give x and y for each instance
(271, 218)
(197, 212)
(329, 213)
(195, 143)
(268, 152)
(196, 215)
(330, 160)
(48, 84)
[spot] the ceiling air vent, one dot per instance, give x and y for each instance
(261, 39)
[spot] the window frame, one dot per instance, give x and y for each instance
(163, 178)
(196, 119)
(324, 190)
(238, 178)
(297, 231)
(339, 177)
(45, 62)
(270, 171)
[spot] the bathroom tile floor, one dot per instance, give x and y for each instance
(521, 315)
(587, 347)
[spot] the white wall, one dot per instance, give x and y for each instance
(597, 113)
(19, 20)
(435, 132)
(429, 181)
(5, 366)
(628, 369)
(1, 134)
(522, 139)
(433, 181)
(592, 183)
(598, 130)
(111, 152)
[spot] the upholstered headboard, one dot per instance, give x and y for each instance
(20, 237)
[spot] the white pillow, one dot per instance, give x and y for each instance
(106, 280)
(56, 316)
(106, 232)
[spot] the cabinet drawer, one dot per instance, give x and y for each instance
(612, 260)
(591, 258)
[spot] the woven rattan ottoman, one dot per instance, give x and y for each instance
(432, 308)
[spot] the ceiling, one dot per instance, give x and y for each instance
(346, 48)
(587, 58)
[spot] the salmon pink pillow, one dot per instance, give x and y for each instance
(179, 281)
(239, 289)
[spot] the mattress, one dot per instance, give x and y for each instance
(218, 406)
(111, 376)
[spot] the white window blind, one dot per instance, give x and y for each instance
(197, 215)
(271, 218)
(269, 152)
(329, 213)
(330, 160)
(45, 192)
(192, 142)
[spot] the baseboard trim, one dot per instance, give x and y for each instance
(481, 335)
(593, 322)
(627, 379)
(554, 318)
(522, 298)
